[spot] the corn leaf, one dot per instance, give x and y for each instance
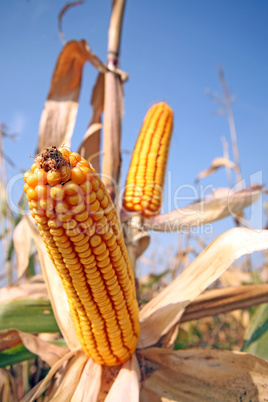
(216, 301)
(43, 385)
(28, 315)
(202, 375)
(59, 114)
(165, 310)
(15, 355)
(215, 165)
(29, 290)
(221, 204)
(70, 378)
(126, 385)
(256, 338)
(88, 390)
(22, 239)
(46, 351)
(62, 13)
(7, 392)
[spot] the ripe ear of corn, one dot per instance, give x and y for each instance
(82, 235)
(146, 175)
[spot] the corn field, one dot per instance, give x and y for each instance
(77, 322)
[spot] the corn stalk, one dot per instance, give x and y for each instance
(6, 216)
(113, 103)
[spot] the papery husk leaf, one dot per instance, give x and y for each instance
(203, 375)
(59, 114)
(70, 379)
(6, 393)
(223, 203)
(91, 141)
(169, 339)
(108, 376)
(29, 290)
(89, 384)
(126, 386)
(136, 239)
(256, 337)
(215, 165)
(9, 338)
(44, 384)
(159, 315)
(216, 301)
(28, 397)
(46, 351)
(113, 112)
(56, 291)
(22, 239)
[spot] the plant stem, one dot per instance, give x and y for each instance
(113, 104)
(230, 118)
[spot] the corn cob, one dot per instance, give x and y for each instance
(82, 235)
(145, 180)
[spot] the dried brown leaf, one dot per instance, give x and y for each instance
(28, 397)
(108, 376)
(61, 14)
(44, 384)
(215, 165)
(222, 203)
(6, 393)
(202, 375)
(22, 239)
(70, 378)
(136, 238)
(45, 350)
(59, 114)
(89, 384)
(161, 314)
(126, 386)
(25, 290)
(91, 141)
(216, 301)
(9, 338)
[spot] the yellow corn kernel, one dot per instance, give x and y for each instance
(86, 245)
(146, 174)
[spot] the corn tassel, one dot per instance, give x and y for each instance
(146, 175)
(82, 235)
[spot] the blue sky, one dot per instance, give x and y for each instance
(171, 51)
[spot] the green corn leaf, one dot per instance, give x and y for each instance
(28, 315)
(20, 353)
(15, 355)
(256, 338)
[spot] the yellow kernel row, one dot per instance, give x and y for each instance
(82, 234)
